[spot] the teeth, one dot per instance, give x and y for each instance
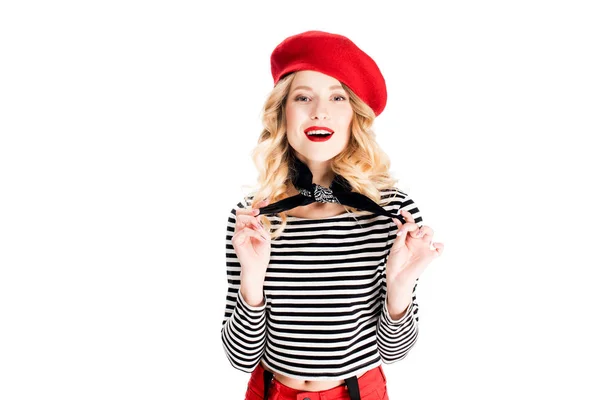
(318, 132)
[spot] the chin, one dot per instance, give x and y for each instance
(320, 156)
(314, 153)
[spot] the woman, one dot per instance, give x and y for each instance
(324, 257)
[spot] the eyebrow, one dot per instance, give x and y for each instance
(309, 88)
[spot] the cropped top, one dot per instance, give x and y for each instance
(324, 316)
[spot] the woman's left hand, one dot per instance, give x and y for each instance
(411, 251)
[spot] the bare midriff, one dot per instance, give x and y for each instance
(307, 386)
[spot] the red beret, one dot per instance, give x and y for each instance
(336, 56)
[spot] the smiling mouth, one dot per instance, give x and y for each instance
(319, 135)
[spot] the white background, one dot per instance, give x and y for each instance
(126, 130)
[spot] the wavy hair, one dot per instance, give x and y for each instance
(362, 163)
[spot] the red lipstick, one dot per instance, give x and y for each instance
(318, 133)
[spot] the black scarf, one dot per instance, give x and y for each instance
(340, 191)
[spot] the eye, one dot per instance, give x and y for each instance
(304, 99)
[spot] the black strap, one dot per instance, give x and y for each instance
(267, 378)
(340, 191)
(352, 384)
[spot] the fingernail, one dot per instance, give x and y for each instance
(400, 232)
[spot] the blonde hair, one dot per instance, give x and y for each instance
(362, 163)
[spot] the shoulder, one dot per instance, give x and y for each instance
(244, 202)
(395, 199)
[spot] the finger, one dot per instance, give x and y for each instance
(400, 239)
(425, 232)
(238, 240)
(251, 223)
(252, 210)
(241, 222)
(260, 204)
(248, 232)
(260, 231)
(256, 209)
(247, 220)
(407, 216)
(438, 247)
(411, 228)
(257, 235)
(244, 211)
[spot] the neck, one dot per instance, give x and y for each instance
(321, 171)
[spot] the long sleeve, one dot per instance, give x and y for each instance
(243, 331)
(395, 338)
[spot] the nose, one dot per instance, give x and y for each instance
(320, 110)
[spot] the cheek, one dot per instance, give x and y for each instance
(349, 115)
(347, 122)
(291, 118)
(344, 116)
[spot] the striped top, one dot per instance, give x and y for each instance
(325, 315)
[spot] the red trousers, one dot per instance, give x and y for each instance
(372, 385)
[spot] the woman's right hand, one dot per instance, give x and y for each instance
(252, 245)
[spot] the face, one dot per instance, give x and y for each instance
(317, 103)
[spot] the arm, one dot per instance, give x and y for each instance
(243, 331)
(398, 325)
(395, 337)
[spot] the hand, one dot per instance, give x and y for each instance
(411, 253)
(252, 245)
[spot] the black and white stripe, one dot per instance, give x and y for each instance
(324, 316)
